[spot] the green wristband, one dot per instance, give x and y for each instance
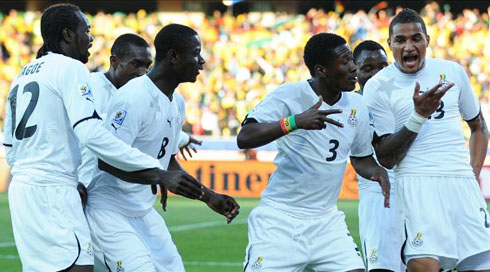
(292, 120)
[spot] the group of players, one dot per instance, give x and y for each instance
(118, 133)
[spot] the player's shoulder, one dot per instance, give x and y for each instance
(291, 90)
(353, 99)
(136, 91)
(440, 62)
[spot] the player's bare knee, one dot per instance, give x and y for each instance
(423, 265)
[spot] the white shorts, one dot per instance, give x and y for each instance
(279, 241)
(50, 230)
(380, 237)
(126, 243)
(445, 217)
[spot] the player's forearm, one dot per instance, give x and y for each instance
(146, 176)
(478, 144)
(392, 148)
(111, 149)
(366, 167)
(258, 134)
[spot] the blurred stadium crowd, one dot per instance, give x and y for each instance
(250, 54)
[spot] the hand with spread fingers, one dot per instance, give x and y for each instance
(180, 183)
(189, 146)
(427, 103)
(224, 205)
(315, 119)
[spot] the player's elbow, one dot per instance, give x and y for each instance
(244, 140)
(386, 162)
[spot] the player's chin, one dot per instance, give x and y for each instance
(348, 87)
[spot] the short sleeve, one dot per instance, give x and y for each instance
(271, 109)
(378, 105)
(469, 106)
(125, 118)
(76, 93)
(361, 146)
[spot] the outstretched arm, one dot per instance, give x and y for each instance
(478, 143)
(220, 203)
(254, 134)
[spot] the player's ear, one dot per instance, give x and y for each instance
(172, 56)
(428, 39)
(320, 70)
(68, 35)
(114, 61)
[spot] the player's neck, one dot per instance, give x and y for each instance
(110, 76)
(329, 95)
(163, 81)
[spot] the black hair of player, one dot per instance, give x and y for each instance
(366, 45)
(320, 48)
(172, 36)
(54, 19)
(122, 45)
(407, 16)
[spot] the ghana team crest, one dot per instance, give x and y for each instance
(257, 265)
(374, 256)
(352, 120)
(417, 241)
(119, 267)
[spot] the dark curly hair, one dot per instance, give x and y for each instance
(320, 48)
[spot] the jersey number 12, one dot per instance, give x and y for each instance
(23, 132)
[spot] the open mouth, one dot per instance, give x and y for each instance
(410, 60)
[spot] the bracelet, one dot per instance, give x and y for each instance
(288, 124)
(415, 122)
(283, 127)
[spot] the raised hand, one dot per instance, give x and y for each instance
(315, 119)
(189, 146)
(429, 101)
(224, 205)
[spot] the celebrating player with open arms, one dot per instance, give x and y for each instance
(318, 124)
(417, 104)
(49, 113)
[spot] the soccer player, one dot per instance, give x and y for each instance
(417, 104)
(148, 114)
(50, 112)
(297, 225)
(380, 238)
(130, 58)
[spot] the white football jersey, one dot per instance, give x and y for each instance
(50, 111)
(311, 163)
(143, 117)
(102, 92)
(439, 148)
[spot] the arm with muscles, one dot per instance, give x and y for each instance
(220, 203)
(478, 143)
(392, 148)
(255, 134)
(369, 169)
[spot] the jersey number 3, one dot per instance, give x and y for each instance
(23, 132)
(333, 150)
